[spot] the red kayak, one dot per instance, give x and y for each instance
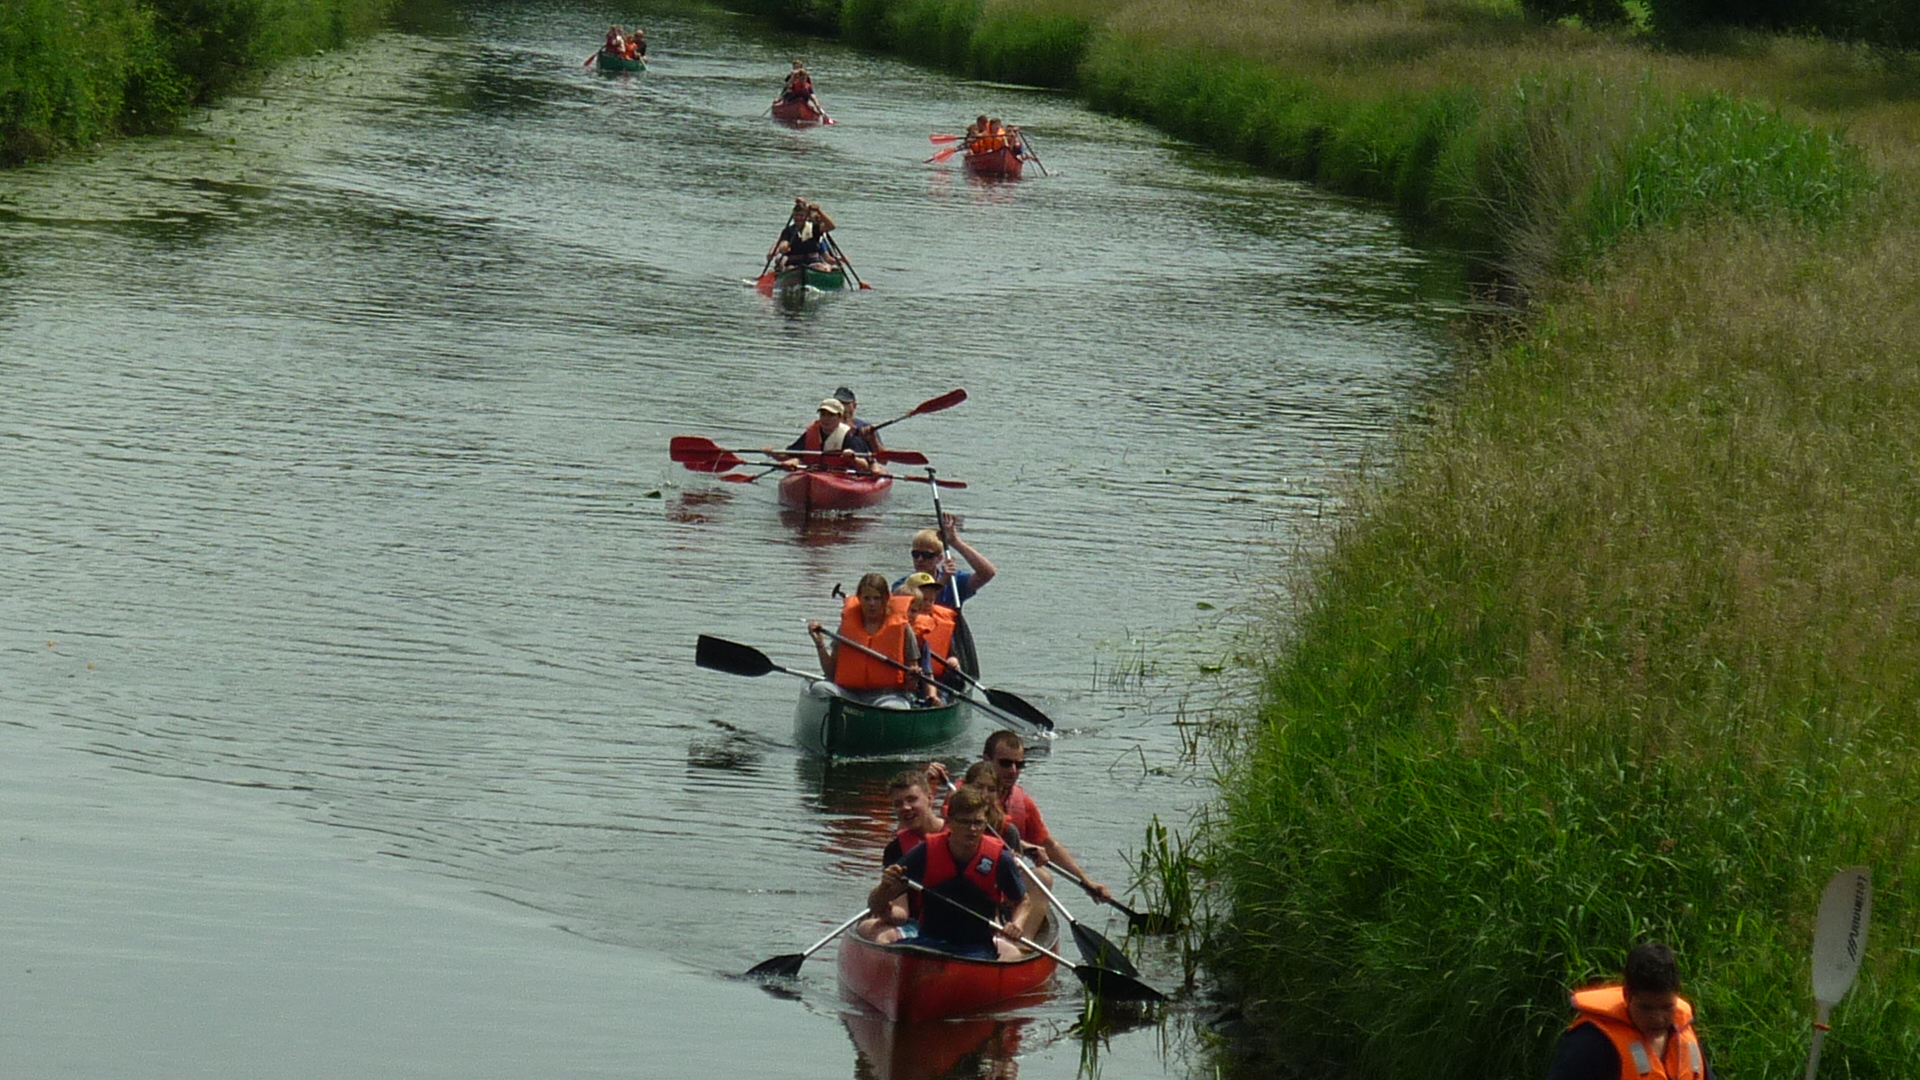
(797, 112)
(908, 982)
(810, 490)
(1003, 162)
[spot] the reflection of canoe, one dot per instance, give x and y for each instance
(797, 112)
(812, 490)
(895, 1050)
(827, 723)
(906, 982)
(1003, 162)
(799, 278)
(609, 62)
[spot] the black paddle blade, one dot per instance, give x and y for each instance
(779, 967)
(732, 658)
(1008, 701)
(1149, 922)
(1098, 952)
(1111, 984)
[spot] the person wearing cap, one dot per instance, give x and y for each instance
(829, 440)
(848, 403)
(932, 624)
(929, 555)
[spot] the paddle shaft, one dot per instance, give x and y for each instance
(933, 404)
(1819, 1032)
(837, 931)
(1101, 948)
(1091, 976)
(834, 246)
(995, 923)
(892, 663)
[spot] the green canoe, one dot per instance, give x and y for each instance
(835, 726)
(610, 62)
(804, 277)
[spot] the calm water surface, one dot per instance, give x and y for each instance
(346, 688)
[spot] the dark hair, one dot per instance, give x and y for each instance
(987, 771)
(908, 778)
(966, 801)
(998, 739)
(1651, 969)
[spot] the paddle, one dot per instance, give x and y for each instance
(1099, 980)
(787, 965)
(956, 484)
(898, 666)
(1026, 147)
(699, 453)
(834, 246)
(1146, 922)
(1008, 700)
(937, 139)
(933, 404)
(942, 154)
(734, 658)
(1094, 949)
(748, 478)
(1839, 938)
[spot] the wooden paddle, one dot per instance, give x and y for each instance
(1839, 939)
(1100, 981)
(1094, 949)
(1146, 922)
(787, 965)
(734, 658)
(933, 404)
(898, 666)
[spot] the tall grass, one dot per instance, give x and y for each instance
(73, 71)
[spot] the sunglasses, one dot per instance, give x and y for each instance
(918, 554)
(1011, 763)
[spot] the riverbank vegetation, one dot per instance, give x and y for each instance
(75, 71)
(1623, 639)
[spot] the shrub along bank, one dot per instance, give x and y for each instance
(73, 71)
(1625, 641)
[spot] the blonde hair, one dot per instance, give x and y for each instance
(928, 536)
(977, 773)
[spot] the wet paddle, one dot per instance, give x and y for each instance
(834, 246)
(787, 965)
(898, 666)
(1008, 700)
(1094, 949)
(933, 404)
(719, 654)
(1839, 939)
(1026, 147)
(1102, 982)
(942, 154)
(1146, 922)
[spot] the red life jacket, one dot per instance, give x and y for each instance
(940, 867)
(909, 839)
(1605, 1007)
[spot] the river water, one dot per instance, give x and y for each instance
(346, 690)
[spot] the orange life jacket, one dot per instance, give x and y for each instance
(935, 628)
(854, 669)
(1605, 1007)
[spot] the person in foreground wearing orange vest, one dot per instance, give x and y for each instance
(1641, 1029)
(873, 619)
(1009, 755)
(967, 866)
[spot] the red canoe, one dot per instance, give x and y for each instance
(797, 112)
(810, 490)
(907, 982)
(1003, 162)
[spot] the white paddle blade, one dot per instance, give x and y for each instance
(1840, 934)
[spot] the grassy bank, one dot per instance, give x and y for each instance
(1622, 642)
(74, 71)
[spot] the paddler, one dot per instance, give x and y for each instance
(967, 866)
(976, 130)
(933, 625)
(872, 619)
(848, 405)
(984, 777)
(829, 440)
(1637, 1029)
(956, 585)
(914, 814)
(616, 40)
(1009, 755)
(636, 44)
(804, 241)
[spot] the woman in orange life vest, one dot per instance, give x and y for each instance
(967, 866)
(875, 618)
(1638, 1029)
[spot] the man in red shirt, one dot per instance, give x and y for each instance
(1009, 756)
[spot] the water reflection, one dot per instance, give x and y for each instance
(984, 1047)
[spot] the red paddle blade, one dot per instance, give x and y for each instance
(937, 139)
(764, 283)
(693, 448)
(942, 155)
(740, 477)
(945, 401)
(900, 457)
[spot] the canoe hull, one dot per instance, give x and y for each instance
(797, 112)
(904, 982)
(1003, 163)
(834, 726)
(814, 490)
(607, 61)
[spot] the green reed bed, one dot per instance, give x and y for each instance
(1624, 647)
(74, 71)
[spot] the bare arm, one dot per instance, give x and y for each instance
(1058, 853)
(983, 571)
(893, 883)
(821, 647)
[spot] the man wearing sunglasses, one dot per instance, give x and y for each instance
(1009, 757)
(956, 585)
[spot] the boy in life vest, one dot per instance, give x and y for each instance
(963, 869)
(1009, 756)
(1640, 1029)
(934, 626)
